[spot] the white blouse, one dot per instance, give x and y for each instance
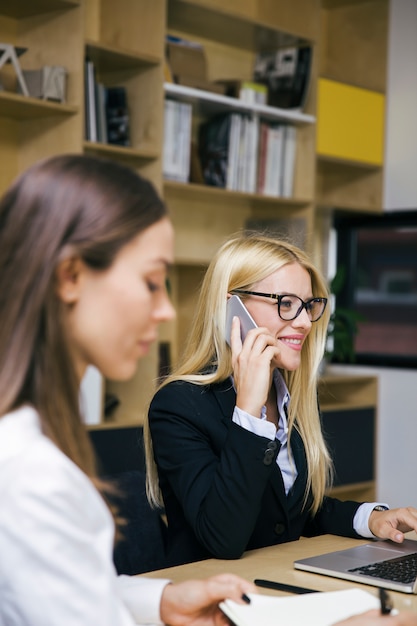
(56, 540)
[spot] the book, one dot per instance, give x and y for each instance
(289, 153)
(90, 101)
(213, 148)
(177, 140)
(233, 152)
(286, 73)
(314, 609)
(101, 118)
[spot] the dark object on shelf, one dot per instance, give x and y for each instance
(339, 431)
(117, 116)
(286, 73)
(214, 137)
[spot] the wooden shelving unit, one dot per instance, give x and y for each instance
(127, 47)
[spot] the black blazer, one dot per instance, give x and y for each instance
(222, 489)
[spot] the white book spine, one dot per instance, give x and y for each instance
(290, 145)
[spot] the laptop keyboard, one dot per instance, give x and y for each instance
(402, 569)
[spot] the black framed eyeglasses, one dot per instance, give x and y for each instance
(290, 306)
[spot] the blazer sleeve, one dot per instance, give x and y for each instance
(335, 517)
(217, 470)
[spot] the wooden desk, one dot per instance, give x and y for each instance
(276, 563)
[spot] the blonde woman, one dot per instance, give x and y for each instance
(235, 450)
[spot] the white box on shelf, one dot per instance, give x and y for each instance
(47, 83)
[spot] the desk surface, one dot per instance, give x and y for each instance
(276, 563)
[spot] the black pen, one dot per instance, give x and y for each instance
(386, 602)
(270, 584)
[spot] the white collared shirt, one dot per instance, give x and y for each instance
(56, 540)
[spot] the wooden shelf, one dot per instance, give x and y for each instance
(358, 166)
(113, 59)
(344, 392)
(227, 26)
(120, 152)
(21, 107)
(361, 492)
(221, 194)
(209, 103)
(27, 8)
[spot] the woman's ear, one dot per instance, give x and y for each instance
(69, 273)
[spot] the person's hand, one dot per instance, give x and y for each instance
(392, 524)
(374, 618)
(195, 602)
(253, 363)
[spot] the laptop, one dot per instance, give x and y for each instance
(380, 563)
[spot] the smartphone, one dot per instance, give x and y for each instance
(235, 306)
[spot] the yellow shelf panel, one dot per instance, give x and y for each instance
(350, 123)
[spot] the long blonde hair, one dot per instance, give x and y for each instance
(239, 264)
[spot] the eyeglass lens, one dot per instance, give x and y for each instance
(289, 307)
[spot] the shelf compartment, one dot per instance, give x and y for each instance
(19, 9)
(219, 194)
(113, 59)
(20, 107)
(209, 103)
(361, 492)
(227, 27)
(205, 216)
(344, 392)
(348, 185)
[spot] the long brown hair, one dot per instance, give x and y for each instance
(92, 207)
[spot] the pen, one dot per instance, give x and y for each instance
(269, 584)
(385, 600)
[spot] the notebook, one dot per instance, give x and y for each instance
(380, 563)
(314, 609)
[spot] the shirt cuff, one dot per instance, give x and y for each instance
(361, 519)
(142, 597)
(260, 427)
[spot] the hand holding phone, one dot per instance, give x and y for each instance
(235, 307)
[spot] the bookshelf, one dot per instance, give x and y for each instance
(232, 33)
(127, 48)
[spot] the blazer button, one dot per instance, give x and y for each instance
(269, 452)
(279, 529)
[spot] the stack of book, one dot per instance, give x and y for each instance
(177, 140)
(106, 111)
(240, 153)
